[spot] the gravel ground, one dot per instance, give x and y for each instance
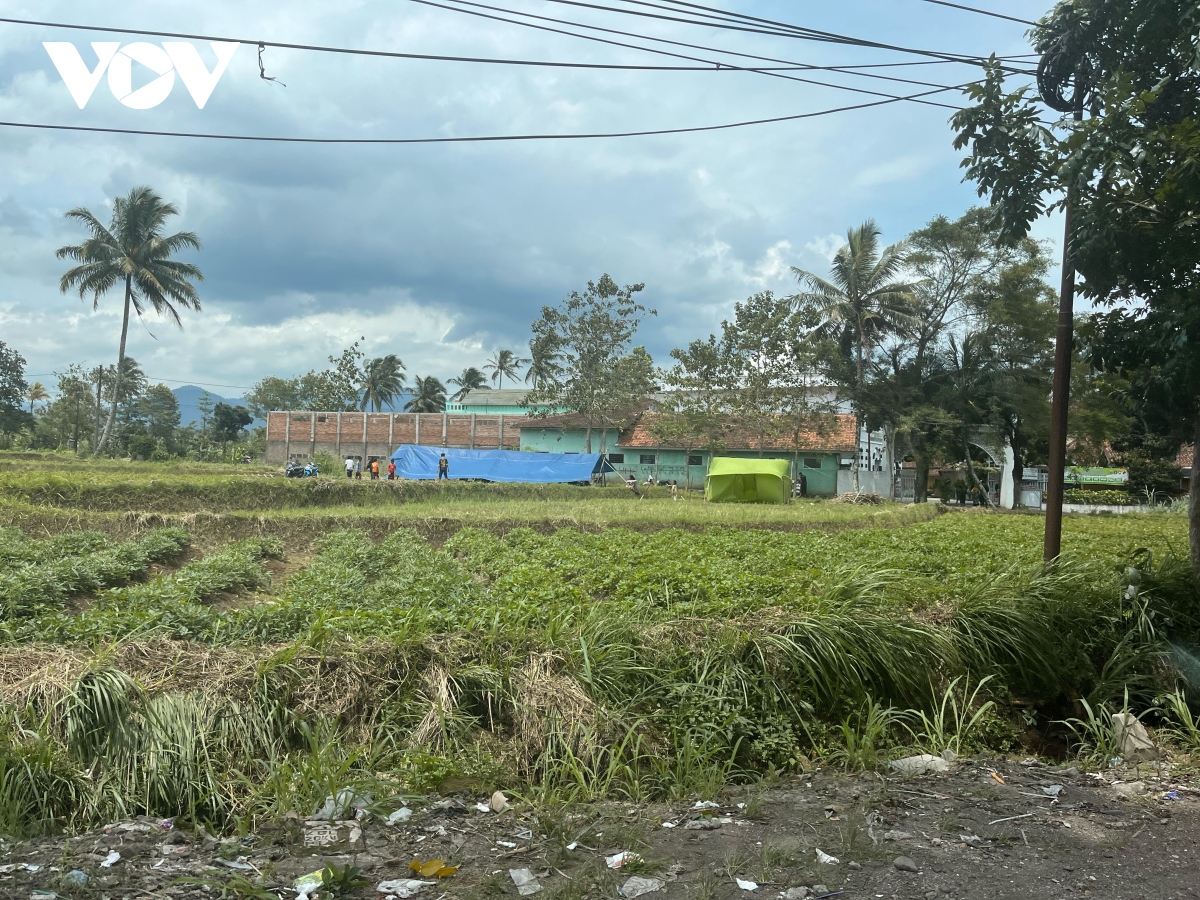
(985, 829)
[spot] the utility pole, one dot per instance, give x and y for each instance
(1063, 345)
(1053, 77)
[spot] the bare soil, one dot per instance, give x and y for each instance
(969, 834)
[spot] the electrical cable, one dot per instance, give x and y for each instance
(706, 67)
(983, 12)
(666, 52)
(40, 126)
(768, 27)
(398, 55)
(459, 9)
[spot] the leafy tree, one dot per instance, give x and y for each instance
(429, 396)
(338, 388)
(471, 379)
(66, 414)
(141, 446)
(504, 362)
(272, 393)
(36, 393)
(228, 422)
(205, 405)
(13, 389)
(133, 252)
(603, 377)
(382, 380)
(693, 413)
(1124, 156)
(157, 410)
(863, 301)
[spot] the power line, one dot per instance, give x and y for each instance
(587, 37)
(462, 140)
(415, 56)
(439, 57)
(240, 387)
(754, 25)
(619, 32)
(982, 12)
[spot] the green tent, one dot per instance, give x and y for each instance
(732, 480)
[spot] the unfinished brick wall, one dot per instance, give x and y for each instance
(301, 435)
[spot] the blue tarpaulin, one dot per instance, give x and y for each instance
(421, 464)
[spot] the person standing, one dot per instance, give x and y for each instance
(349, 466)
(391, 470)
(674, 490)
(358, 468)
(443, 468)
(374, 470)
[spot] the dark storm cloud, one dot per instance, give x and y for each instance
(443, 252)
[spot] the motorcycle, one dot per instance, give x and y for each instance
(294, 470)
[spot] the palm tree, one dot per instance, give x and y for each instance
(471, 379)
(429, 396)
(863, 300)
(133, 252)
(505, 362)
(544, 368)
(36, 394)
(383, 378)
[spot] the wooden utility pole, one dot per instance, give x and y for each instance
(1060, 401)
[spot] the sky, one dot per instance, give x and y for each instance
(442, 253)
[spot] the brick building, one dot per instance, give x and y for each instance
(301, 435)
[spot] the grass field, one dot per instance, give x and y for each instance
(228, 644)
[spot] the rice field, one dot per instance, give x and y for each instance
(221, 645)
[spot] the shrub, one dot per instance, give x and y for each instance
(1099, 497)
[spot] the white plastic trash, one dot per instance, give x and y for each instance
(619, 859)
(525, 881)
(638, 885)
(402, 887)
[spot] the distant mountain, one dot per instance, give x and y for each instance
(189, 396)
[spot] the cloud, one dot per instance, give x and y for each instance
(442, 253)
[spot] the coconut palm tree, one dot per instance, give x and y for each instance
(863, 300)
(36, 394)
(383, 378)
(429, 396)
(132, 252)
(504, 362)
(544, 368)
(471, 379)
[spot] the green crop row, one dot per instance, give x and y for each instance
(40, 585)
(169, 605)
(18, 549)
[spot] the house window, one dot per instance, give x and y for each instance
(299, 418)
(322, 418)
(812, 462)
(695, 460)
(616, 457)
(647, 459)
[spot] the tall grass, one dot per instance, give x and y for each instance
(582, 665)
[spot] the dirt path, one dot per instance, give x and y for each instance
(967, 835)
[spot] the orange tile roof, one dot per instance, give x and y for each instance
(1186, 454)
(829, 432)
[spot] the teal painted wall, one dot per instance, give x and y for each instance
(669, 465)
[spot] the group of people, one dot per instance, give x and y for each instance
(376, 470)
(354, 468)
